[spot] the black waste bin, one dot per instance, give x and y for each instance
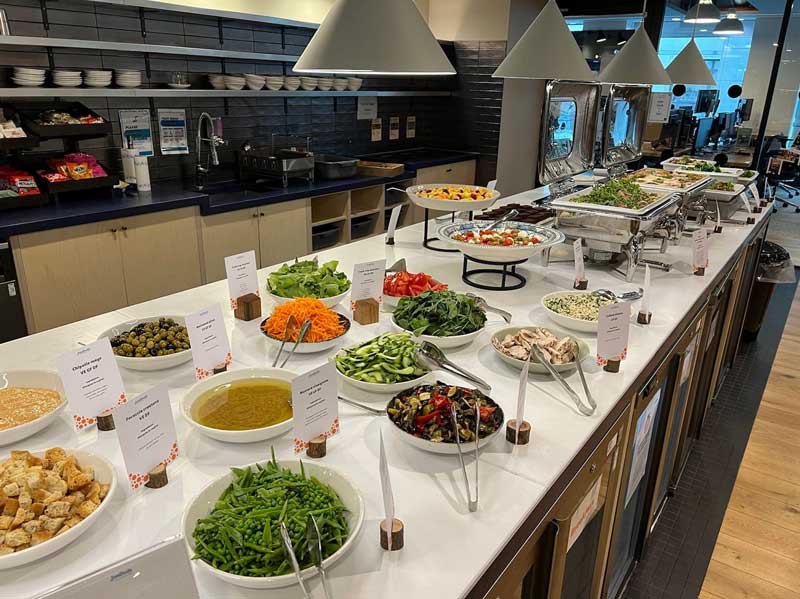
(774, 268)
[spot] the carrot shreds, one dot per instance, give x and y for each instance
(325, 323)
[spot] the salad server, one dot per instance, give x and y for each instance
(399, 266)
(291, 327)
(487, 308)
(314, 541)
(287, 549)
(366, 408)
(582, 408)
(429, 356)
(304, 329)
(588, 393)
(473, 503)
(511, 214)
(625, 297)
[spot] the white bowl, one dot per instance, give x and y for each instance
(203, 503)
(307, 347)
(43, 379)
(104, 472)
(536, 366)
(450, 205)
(153, 362)
(28, 83)
(496, 253)
(443, 342)
(325, 87)
(309, 87)
(218, 85)
(249, 436)
(291, 85)
(354, 84)
(29, 71)
(234, 86)
(254, 86)
(381, 388)
(274, 86)
(568, 322)
(328, 301)
(135, 84)
(339, 87)
(97, 84)
(58, 72)
(179, 85)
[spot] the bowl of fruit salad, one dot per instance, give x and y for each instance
(510, 242)
(452, 198)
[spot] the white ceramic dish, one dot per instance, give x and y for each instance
(725, 174)
(309, 87)
(443, 342)
(104, 472)
(203, 503)
(153, 362)
(274, 86)
(43, 379)
(291, 86)
(673, 164)
(92, 84)
(180, 85)
(234, 86)
(309, 348)
(249, 436)
(497, 253)
(29, 71)
(328, 301)
(536, 366)
(568, 322)
(354, 83)
(121, 84)
(382, 388)
(450, 205)
(719, 195)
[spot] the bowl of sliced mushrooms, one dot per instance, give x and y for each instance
(513, 346)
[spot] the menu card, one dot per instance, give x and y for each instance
(315, 403)
(146, 433)
(242, 277)
(367, 281)
(386, 491)
(754, 190)
(580, 270)
(645, 307)
(91, 381)
(522, 394)
(700, 249)
(612, 332)
(211, 349)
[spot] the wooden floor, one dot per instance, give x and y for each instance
(757, 555)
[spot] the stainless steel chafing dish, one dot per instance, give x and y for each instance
(259, 160)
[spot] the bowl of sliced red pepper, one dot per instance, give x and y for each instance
(422, 417)
(405, 284)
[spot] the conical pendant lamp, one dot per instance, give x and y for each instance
(637, 62)
(547, 50)
(689, 68)
(374, 37)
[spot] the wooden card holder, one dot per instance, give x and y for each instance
(366, 311)
(248, 307)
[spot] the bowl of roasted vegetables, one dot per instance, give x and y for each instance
(405, 284)
(510, 242)
(513, 346)
(150, 343)
(308, 279)
(445, 318)
(423, 418)
(385, 364)
(452, 198)
(231, 527)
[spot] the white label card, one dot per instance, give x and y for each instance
(393, 220)
(377, 129)
(580, 270)
(660, 105)
(411, 127)
(315, 403)
(137, 131)
(242, 276)
(754, 190)
(522, 394)
(386, 491)
(583, 515)
(91, 381)
(367, 281)
(367, 108)
(645, 308)
(700, 249)
(641, 446)
(394, 127)
(146, 433)
(209, 340)
(612, 332)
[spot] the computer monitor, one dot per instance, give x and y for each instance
(706, 101)
(704, 127)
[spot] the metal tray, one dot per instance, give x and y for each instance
(726, 174)
(684, 190)
(572, 202)
(330, 166)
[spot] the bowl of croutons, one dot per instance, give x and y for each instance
(48, 499)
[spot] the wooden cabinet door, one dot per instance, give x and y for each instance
(225, 235)
(69, 274)
(284, 231)
(160, 253)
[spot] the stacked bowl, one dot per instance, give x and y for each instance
(26, 77)
(291, 83)
(308, 83)
(97, 78)
(255, 82)
(217, 81)
(235, 82)
(325, 84)
(67, 78)
(354, 83)
(340, 84)
(128, 78)
(274, 83)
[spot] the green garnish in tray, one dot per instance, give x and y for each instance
(721, 186)
(618, 193)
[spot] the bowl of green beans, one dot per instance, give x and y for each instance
(231, 527)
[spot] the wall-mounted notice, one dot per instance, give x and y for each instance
(172, 131)
(377, 129)
(394, 127)
(137, 131)
(367, 108)
(411, 127)
(660, 104)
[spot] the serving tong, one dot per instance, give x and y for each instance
(314, 541)
(582, 408)
(286, 541)
(511, 214)
(472, 503)
(628, 296)
(429, 356)
(487, 308)
(291, 327)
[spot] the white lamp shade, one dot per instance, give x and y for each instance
(703, 12)
(380, 37)
(637, 62)
(729, 26)
(689, 68)
(547, 50)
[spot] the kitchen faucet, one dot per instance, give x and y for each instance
(213, 140)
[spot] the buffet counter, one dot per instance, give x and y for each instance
(449, 552)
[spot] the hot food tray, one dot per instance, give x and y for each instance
(573, 202)
(657, 178)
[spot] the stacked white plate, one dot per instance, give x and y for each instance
(26, 77)
(234, 82)
(126, 78)
(325, 84)
(354, 83)
(97, 78)
(308, 83)
(340, 84)
(274, 83)
(217, 81)
(291, 83)
(255, 82)
(67, 78)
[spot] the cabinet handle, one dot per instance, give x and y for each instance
(255, 214)
(262, 214)
(449, 170)
(592, 468)
(124, 228)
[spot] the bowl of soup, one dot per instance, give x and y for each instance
(241, 406)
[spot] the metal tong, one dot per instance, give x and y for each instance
(473, 503)
(625, 297)
(513, 213)
(365, 407)
(304, 328)
(289, 551)
(431, 357)
(314, 540)
(582, 408)
(487, 308)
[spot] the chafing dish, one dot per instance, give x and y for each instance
(261, 160)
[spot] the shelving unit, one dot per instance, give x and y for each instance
(109, 92)
(366, 200)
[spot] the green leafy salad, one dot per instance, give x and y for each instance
(618, 193)
(440, 314)
(308, 279)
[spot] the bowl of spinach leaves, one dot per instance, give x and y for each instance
(445, 318)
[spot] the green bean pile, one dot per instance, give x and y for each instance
(241, 534)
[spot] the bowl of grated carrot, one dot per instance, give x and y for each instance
(327, 326)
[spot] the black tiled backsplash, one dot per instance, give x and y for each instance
(468, 120)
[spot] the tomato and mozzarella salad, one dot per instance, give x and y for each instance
(498, 237)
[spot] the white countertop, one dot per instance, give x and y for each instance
(446, 547)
